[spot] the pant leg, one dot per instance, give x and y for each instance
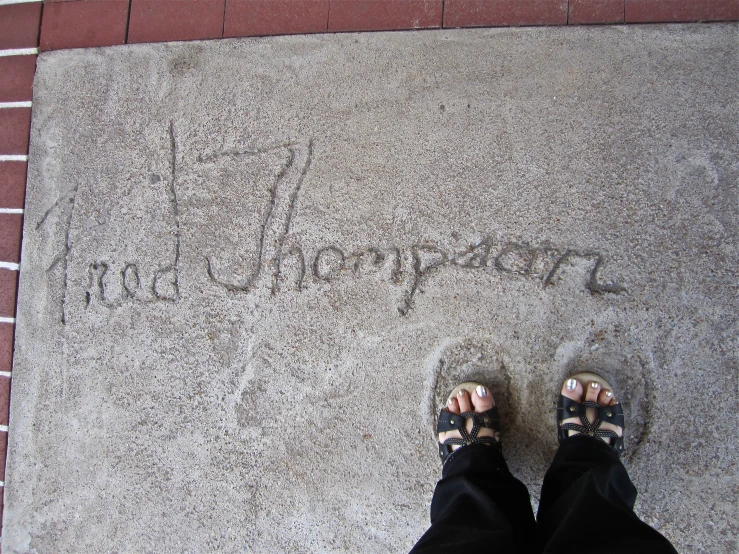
(478, 506)
(587, 504)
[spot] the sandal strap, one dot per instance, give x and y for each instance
(453, 422)
(457, 422)
(568, 408)
(478, 440)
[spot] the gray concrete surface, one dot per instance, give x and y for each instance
(252, 268)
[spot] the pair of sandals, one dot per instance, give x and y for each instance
(566, 409)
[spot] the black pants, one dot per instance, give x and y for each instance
(586, 506)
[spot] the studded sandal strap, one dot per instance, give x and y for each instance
(453, 422)
(568, 408)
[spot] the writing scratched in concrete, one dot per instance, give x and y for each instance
(404, 265)
(411, 266)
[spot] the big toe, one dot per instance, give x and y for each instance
(482, 399)
(573, 390)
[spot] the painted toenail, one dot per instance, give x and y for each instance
(461, 393)
(609, 393)
(481, 391)
(451, 401)
(571, 384)
(594, 385)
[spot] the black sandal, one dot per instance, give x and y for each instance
(453, 422)
(568, 408)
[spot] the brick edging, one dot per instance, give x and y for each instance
(19, 33)
(88, 23)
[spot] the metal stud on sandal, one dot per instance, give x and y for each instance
(568, 408)
(453, 422)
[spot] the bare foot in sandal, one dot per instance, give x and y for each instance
(604, 421)
(466, 398)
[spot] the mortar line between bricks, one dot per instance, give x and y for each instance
(7, 374)
(3, 428)
(9, 105)
(567, 21)
(7, 320)
(11, 210)
(13, 158)
(9, 2)
(10, 265)
(128, 22)
(19, 52)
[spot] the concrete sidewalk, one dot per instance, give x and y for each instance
(253, 268)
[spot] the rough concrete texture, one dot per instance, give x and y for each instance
(253, 269)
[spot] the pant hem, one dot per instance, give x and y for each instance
(474, 458)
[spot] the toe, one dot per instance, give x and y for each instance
(593, 389)
(482, 399)
(606, 398)
(453, 406)
(465, 403)
(573, 390)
